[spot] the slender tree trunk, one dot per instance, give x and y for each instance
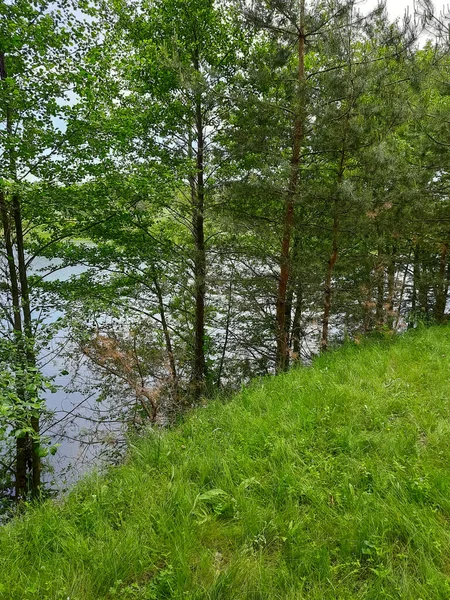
(28, 455)
(227, 332)
(379, 274)
(367, 302)
(167, 338)
(366, 320)
(22, 443)
(328, 280)
(293, 322)
(446, 287)
(402, 292)
(288, 319)
(391, 289)
(422, 285)
(415, 283)
(198, 379)
(442, 287)
(29, 350)
(297, 323)
(13, 279)
(282, 352)
(335, 236)
(7, 229)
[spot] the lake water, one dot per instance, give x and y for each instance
(72, 411)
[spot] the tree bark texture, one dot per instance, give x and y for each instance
(282, 351)
(167, 339)
(442, 287)
(199, 371)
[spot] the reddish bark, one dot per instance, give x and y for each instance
(282, 353)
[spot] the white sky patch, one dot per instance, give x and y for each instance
(396, 8)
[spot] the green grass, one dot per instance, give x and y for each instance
(331, 482)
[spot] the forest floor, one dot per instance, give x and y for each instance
(328, 482)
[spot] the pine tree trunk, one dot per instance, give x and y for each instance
(379, 274)
(328, 280)
(367, 303)
(422, 286)
(402, 292)
(415, 282)
(442, 287)
(391, 289)
(293, 292)
(288, 321)
(297, 323)
(282, 353)
(335, 235)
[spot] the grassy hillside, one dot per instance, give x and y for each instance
(326, 483)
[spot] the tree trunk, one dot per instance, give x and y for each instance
(28, 460)
(22, 443)
(422, 286)
(282, 353)
(288, 319)
(199, 372)
(35, 482)
(297, 324)
(292, 292)
(379, 274)
(415, 282)
(442, 286)
(391, 289)
(402, 292)
(335, 235)
(328, 279)
(168, 341)
(367, 302)
(227, 332)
